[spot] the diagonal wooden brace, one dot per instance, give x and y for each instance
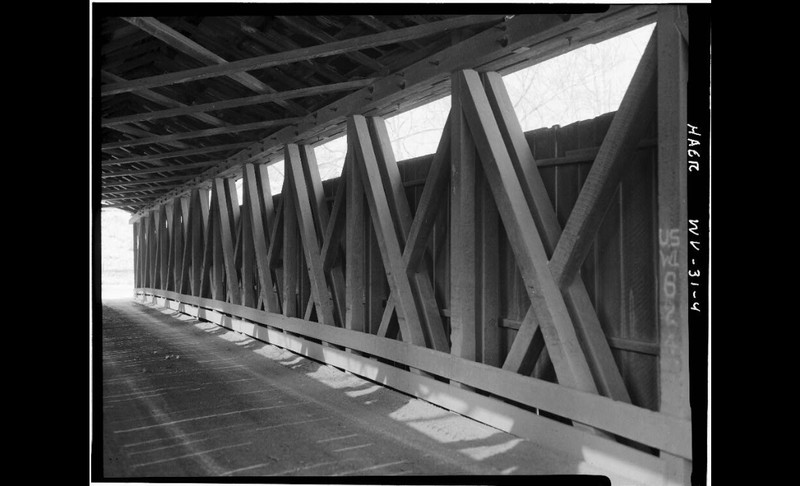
(546, 300)
(225, 200)
(321, 219)
(401, 215)
(299, 192)
(388, 240)
(258, 202)
(587, 325)
(630, 123)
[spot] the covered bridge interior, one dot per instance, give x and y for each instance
(531, 281)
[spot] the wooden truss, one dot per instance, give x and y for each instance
(303, 262)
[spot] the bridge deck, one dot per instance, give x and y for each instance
(182, 397)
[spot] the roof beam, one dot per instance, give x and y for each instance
(133, 206)
(237, 102)
(149, 180)
(179, 153)
(163, 100)
(144, 197)
(328, 49)
(183, 44)
(149, 190)
(280, 43)
(139, 133)
(166, 168)
(374, 23)
(202, 133)
(316, 33)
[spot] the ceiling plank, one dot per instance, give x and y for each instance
(237, 102)
(329, 49)
(191, 48)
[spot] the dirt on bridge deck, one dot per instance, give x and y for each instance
(187, 398)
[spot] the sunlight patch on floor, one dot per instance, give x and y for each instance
(483, 452)
(335, 378)
(206, 326)
(365, 391)
(451, 429)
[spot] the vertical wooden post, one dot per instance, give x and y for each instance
(135, 254)
(169, 274)
(147, 231)
(488, 265)
(152, 258)
(672, 229)
(157, 233)
(376, 288)
(226, 216)
(355, 246)
(217, 266)
(463, 272)
(258, 202)
(290, 250)
(248, 261)
(142, 282)
(186, 256)
(201, 242)
(176, 248)
(163, 241)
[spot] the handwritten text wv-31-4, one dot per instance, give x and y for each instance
(693, 140)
